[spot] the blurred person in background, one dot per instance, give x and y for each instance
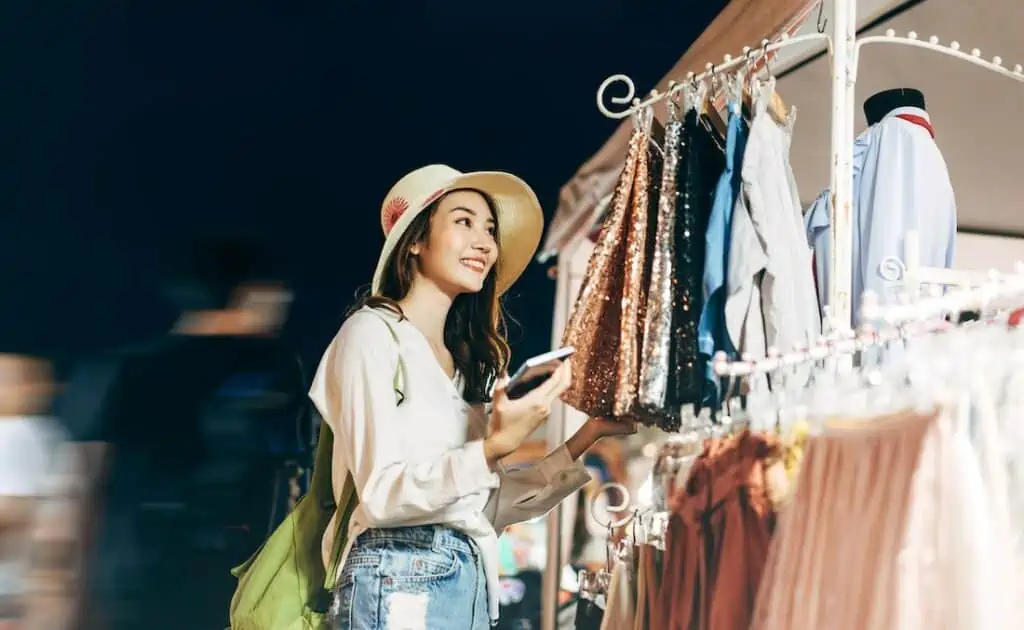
(200, 435)
(29, 440)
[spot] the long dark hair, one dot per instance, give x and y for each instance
(475, 330)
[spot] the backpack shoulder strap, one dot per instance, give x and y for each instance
(399, 376)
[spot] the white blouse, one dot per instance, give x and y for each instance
(422, 462)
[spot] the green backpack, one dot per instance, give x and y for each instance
(284, 586)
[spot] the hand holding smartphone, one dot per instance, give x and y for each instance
(535, 370)
(523, 402)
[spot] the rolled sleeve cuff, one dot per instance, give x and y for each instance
(559, 466)
(474, 475)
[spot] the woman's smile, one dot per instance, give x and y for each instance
(477, 264)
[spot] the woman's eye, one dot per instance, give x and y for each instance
(464, 221)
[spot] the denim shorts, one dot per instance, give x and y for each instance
(411, 578)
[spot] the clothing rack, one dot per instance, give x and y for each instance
(643, 523)
(999, 287)
(843, 343)
(749, 56)
(890, 321)
(645, 527)
(845, 47)
(917, 277)
(952, 50)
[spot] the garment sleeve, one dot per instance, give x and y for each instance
(531, 491)
(354, 392)
(817, 221)
(747, 260)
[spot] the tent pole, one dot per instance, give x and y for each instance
(843, 83)
(556, 436)
(844, 26)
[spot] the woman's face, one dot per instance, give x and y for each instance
(461, 248)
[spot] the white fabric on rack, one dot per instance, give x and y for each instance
(619, 613)
(969, 543)
(946, 561)
(900, 183)
(993, 450)
(770, 300)
(1012, 435)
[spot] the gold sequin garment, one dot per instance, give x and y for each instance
(657, 335)
(634, 290)
(595, 324)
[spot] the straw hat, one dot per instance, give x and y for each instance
(520, 218)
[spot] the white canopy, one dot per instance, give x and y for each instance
(973, 110)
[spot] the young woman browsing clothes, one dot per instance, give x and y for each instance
(433, 495)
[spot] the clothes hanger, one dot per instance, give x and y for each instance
(675, 457)
(759, 408)
(654, 527)
(753, 92)
(656, 133)
(643, 121)
(731, 411)
(594, 584)
(676, 102)
(710, 109)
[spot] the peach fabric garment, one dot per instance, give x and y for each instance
(719, 536)
(835, 560)
(640, 612)
(650, 565)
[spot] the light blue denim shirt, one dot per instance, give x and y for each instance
(712, 333)
(900, 183)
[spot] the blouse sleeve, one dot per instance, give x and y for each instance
(531, 491)
(354, 392)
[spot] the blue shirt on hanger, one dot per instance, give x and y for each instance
(712, 335)
(900, 183)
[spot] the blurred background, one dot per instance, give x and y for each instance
(128, 127)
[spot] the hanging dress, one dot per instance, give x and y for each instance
(595, 326)
(701, 165)
(655, 366)
(640, 244)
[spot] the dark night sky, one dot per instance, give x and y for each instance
(127, 126)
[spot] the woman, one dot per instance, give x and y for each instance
(433, 495)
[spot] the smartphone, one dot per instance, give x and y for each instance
(534, 371)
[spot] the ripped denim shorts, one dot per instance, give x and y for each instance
(411, 578)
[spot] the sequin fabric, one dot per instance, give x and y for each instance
(594, 327)
(657, 334)
(701, 164)
(634, 290)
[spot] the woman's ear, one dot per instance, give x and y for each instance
(414, 249)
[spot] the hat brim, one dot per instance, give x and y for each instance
(520, 224)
